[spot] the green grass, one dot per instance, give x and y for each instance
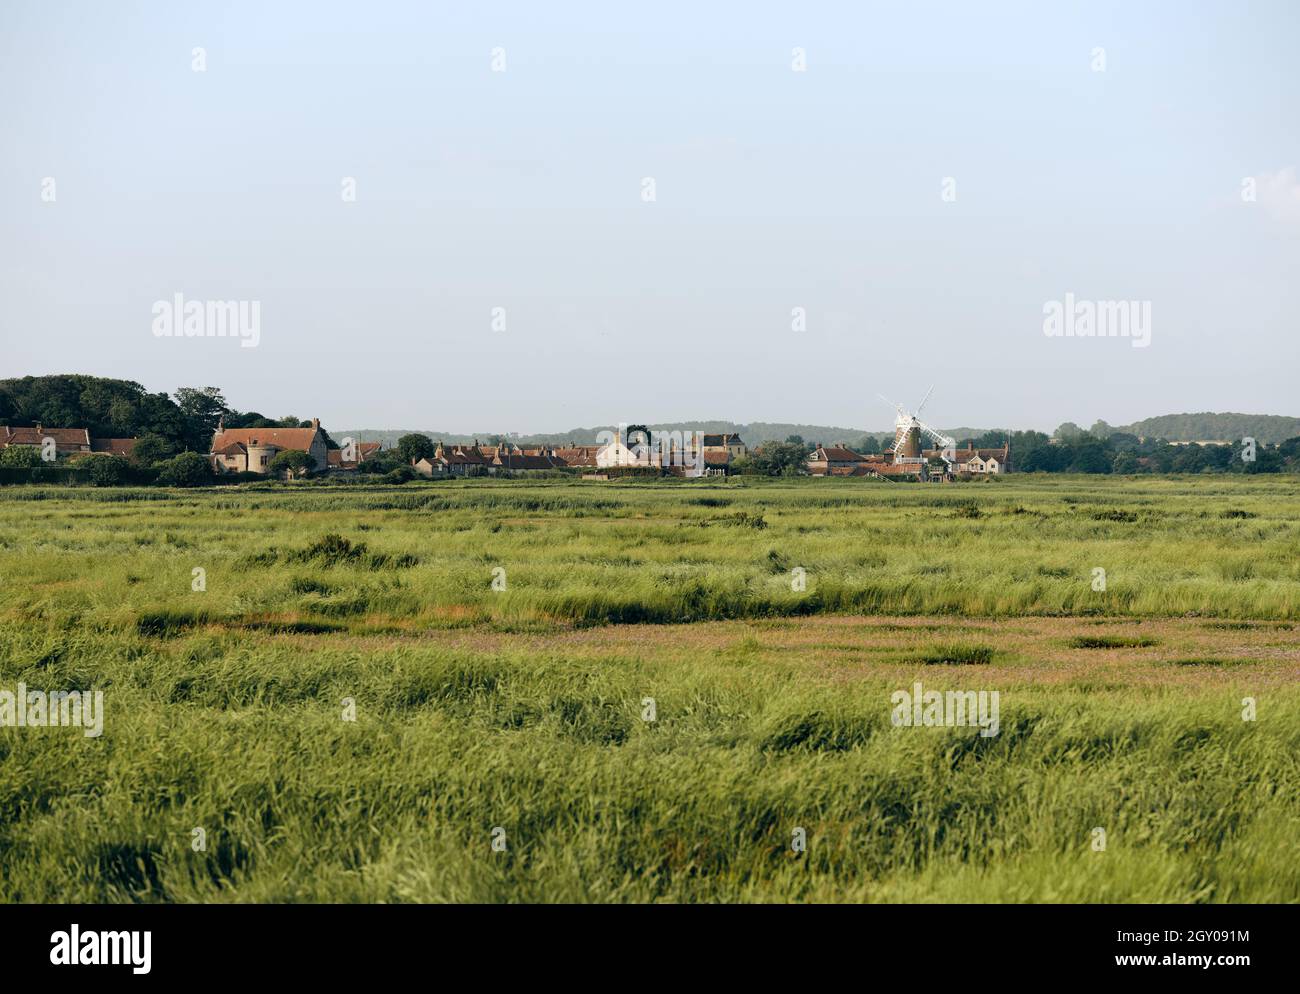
(524, 708)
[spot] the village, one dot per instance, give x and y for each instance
(630, 450)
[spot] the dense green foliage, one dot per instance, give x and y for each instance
(521, 706)
(291, 461)
(414, 447)
(108, 408)
(108, 471)
(20, 457)
(188, 469)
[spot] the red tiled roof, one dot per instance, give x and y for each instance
(113, 446)
(63, 437)
(283, 438)
(836, 453)
(459, 455)
(578, 455)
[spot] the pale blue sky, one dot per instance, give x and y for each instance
(775, 189)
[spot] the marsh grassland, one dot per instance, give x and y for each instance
(524, 709)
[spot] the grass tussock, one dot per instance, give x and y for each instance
(1112, 642)
(956, 655)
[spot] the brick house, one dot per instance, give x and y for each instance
(251, 450)
(67, 441)
(835, 460)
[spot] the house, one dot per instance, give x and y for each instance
(720, 451)
(840, 460)
(252, 450)
(675, 453)
(363, 451)
(729, 443)
(835, 460)
(716, 463)
(67, 441)
(455, 460)
(578, 456)
(511, 458)
(977, 461)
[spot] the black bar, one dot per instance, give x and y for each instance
(921, 944)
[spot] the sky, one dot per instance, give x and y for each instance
(919, 181)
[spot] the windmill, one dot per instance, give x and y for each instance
(909, 429)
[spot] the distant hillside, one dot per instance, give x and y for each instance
(1211, 427)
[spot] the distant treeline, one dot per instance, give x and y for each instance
(1123, 452)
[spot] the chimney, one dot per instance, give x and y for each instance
(39, 429)
(315, 423)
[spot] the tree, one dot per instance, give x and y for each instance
(1121, 440)
(249, 419)
(402, 474)
(779, 459)
(1067, 432)
(1100, 429)
(109, 471)
(869, 445)
(121, 418)
(383, 461)
(20, 457)
(203, 406)
(415, 447)
(993, 439)
(1091, 457)
(295, 462)
(189, 469)
(1125, 462)
(150, 449)
(1042, 458)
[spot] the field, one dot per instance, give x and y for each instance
(567, 691)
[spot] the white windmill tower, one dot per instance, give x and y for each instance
(909, 430)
